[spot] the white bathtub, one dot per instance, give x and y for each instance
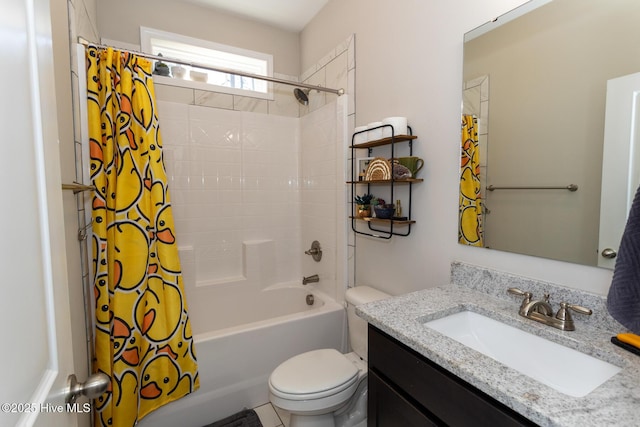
(235, 362)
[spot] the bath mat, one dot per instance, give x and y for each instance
(244, 418)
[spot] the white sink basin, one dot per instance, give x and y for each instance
(566, 370)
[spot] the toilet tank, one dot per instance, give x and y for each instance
(357, 325)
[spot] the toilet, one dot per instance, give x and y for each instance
(325, 388)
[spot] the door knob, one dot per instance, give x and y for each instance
(609, 253)
(93, 387)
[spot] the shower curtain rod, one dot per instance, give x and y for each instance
(338, 92)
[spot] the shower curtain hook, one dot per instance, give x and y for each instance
(82, 233)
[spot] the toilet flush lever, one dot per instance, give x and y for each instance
(315, 251)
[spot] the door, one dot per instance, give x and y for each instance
(620, 163)
(36, 359)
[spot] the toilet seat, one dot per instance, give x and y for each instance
(313, 375)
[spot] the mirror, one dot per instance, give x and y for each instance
(536, 81)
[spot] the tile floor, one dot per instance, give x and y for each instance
(270, 417)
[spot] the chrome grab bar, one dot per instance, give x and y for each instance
(570, 187)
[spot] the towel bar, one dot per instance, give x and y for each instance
(570, 187)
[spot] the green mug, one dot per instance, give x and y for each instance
(413, 163)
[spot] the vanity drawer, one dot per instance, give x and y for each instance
(387, 407)
(447, 397)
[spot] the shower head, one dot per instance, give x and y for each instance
(302, 95)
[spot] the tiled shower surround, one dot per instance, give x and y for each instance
(233, 177)
(252, 176)
(243, 181)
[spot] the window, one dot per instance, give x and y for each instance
(216, 55)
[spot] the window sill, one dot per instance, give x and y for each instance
(190, 84)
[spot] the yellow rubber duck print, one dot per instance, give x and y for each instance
(121, 343)
(130, 254)
(162, 377)
(159, 310)
(166, 241)
(143, 338)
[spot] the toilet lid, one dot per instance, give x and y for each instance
(314, 374)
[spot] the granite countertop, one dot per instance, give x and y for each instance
(614, 403)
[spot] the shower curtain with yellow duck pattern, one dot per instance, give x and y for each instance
(470, 219)
(143, 337)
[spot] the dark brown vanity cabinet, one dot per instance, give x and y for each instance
(406, 389)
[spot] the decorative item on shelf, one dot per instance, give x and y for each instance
(377, 201)
(398, 214)
(363, 208)
(198, 76)
(413, 163)
(363, 164)
(400, 172)
(379, 169)
(178, 72)
(384, 211)
(161, 68)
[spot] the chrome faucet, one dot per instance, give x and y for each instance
(310, 279)
(542, 307)
(541, 311)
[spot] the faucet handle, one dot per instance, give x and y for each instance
(527, 295)
(577, 308)
(565, 316)
(525, 302)
(515, 291)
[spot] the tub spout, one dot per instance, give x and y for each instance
(310, 279)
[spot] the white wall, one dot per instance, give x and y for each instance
(409, 62)
(71, 19)
(121, 20)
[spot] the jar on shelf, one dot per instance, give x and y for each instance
(363, 211)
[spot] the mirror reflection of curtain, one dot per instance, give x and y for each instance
(470, 230)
